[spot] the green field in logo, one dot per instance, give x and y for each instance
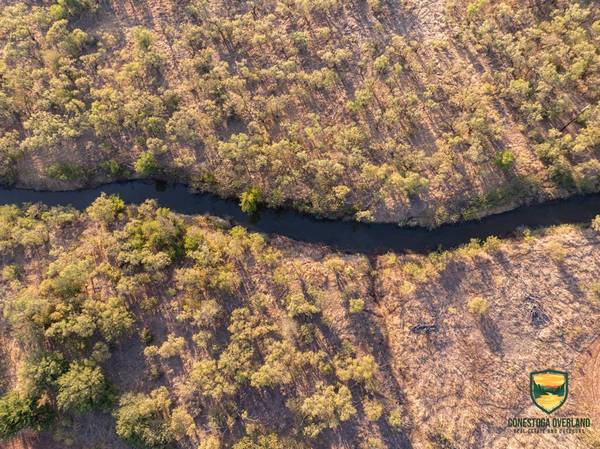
(549, 389)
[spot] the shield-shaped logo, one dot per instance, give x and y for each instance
(549, 389)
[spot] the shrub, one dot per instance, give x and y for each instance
(18, 412)
(561, 174)
(356, 305)
(146, 164)
(181, 423)
(63, 9)
(210, 442)
(171, 347)
(478, 305)
(373, 409)
(11, 272)
(395, 419)
(42, 372)
(373, 443)
(249, 200)
(144, 38)
(596, 223)
(142, 420)
(491, 244)
(270, 441)
(556, 251)
(106, 209)
(327, 408)
(298, 305)
(359, 369)
(504, 159)
(381, 64)
(111, 167)
(64, 171)
(82, 387)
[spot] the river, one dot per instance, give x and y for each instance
(347, 236)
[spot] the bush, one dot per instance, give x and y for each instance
(504, 159)
(142, 420)
(42, 372)
(111, 167)
(270, 441)
(64, 171)
(596, 223)
(18, 412)
(395, 419)
(356, 305)
(249, 200)
(478, 305)
(146, 164)
(82, 387)
(556, 251)
(373, 409)
(63, 9)
(561, 174)
(327, 408)
(106, 209)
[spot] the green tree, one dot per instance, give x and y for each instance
(146, 164)
(249, 200)
(373, 409)
(283, 364)
(504, 159)
(181, 423)
(210, 380)
(82, 387)
(41, 372)
(65, 8)
(18, 412)
(359, 369)
(327, 408)
(105, 209)
(111, 316)
(478, 305)
(143, 420)
(153, 240)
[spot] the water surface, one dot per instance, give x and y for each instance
(349, 236)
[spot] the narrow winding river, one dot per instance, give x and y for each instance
(343, 235)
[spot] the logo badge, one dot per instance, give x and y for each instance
(549, 389)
